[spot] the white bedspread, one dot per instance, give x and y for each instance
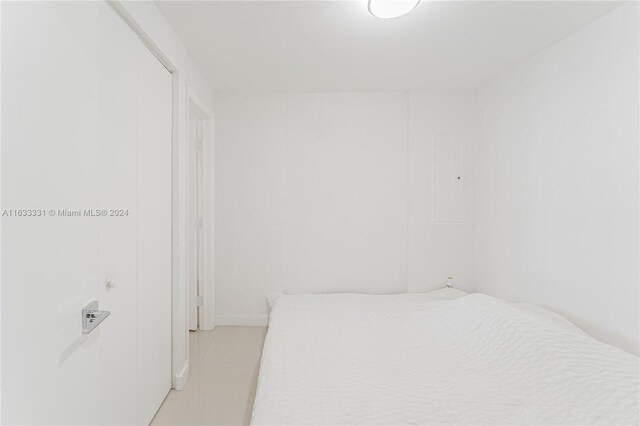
(417, 359)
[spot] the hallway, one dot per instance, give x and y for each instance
(224, 366)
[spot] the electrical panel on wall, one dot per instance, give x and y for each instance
(450, 180)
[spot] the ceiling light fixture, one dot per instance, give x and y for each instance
(386, 9)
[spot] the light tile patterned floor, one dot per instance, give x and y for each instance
(223, 374)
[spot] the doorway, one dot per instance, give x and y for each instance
(200, 266)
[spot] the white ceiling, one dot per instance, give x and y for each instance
(339, 46)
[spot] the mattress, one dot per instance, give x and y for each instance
(436, 358)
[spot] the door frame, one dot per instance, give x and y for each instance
(198, 108)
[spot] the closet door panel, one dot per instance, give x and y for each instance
(154, 235)
(118, 63)
(451, 192)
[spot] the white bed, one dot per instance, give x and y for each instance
(443, 357)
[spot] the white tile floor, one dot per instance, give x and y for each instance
(223, 373)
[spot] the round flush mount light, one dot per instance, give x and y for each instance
(386, 9)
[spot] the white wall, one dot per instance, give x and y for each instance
(436, 251)
(331, 192)
(146, 19)
(335, 191)
(558, 172)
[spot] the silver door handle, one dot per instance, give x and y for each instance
(92, 317)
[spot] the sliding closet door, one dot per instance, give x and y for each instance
(86, 127)
(154, 235)
(135, 236)
(119, 57)
(135, 176)
(135, 190)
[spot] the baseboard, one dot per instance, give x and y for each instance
(246, 320)
(180, 379)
